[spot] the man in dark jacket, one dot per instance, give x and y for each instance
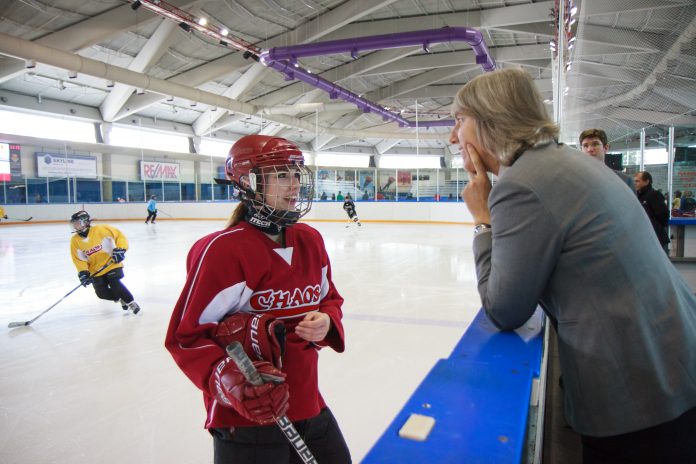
(654, 205)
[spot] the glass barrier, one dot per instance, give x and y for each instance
(331, 184)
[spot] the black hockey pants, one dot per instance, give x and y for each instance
(109, 286)
(266, 444)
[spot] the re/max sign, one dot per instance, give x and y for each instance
(150, 170)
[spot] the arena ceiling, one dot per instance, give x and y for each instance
(634, 65)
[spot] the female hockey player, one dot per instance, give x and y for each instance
(265, 281)
(94, 246)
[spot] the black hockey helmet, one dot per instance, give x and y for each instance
(80, 221)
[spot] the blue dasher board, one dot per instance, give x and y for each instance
(480, 414)
(479, 398)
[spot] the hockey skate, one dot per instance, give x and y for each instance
(133, 306)
(123, 304)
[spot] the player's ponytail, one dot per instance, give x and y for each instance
(237, 215)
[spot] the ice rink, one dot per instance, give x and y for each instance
(89, 383)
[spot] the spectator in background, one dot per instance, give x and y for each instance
(594, 142)
(688, 203)
(625, 319)
(323, 196)
(654, 205)
(340, 196)
(676, 201)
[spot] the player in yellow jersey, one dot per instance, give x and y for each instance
(94, 246)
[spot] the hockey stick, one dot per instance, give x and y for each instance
(12, 325)
(166, 214)
(246, 367)
(20, 219)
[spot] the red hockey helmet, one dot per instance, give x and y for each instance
(252, 157)
(258, 151)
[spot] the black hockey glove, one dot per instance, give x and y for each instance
(118, 255)
(85, 278)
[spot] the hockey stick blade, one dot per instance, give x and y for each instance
(12, 325)
(236, 352)
(20, 219)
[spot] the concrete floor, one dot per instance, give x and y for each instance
(87, 383)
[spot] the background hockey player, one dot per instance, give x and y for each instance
(262, 273)
(349, 207)
(94, 246)
(151, 209)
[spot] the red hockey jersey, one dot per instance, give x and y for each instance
(241, 269)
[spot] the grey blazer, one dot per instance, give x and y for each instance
(569, 235)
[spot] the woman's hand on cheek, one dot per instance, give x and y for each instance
(476, 192)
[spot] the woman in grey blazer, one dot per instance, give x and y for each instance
(561, 230)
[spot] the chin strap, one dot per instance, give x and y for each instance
(261, 221)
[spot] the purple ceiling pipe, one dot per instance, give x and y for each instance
(334, 91)
(381, 42)
(284, 60)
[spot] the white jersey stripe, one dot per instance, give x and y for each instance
(235, 296)
(324, 283)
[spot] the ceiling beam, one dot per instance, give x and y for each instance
(419, 81)
(685, 37)
(590, 8)
(307, 32)
(86, 33)
(149, 54)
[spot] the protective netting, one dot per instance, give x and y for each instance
(633, 70)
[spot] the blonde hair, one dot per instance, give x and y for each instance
(237, 215)
(509, 113)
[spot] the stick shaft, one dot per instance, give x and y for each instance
(12, 325)
(246, 367)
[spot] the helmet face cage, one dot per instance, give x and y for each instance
(283, 193)
(80, 221)
(270, 177)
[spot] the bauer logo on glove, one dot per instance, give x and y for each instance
(261, 335)
(118, 255)
(258, 403)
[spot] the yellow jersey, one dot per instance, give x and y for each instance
(92, 252)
